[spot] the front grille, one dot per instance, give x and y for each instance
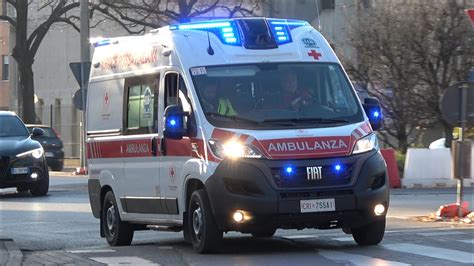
(316, 194)
(299, 177)
(3, 165)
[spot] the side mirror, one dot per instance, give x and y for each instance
(175, 122)
(374, 112)
(37, 132)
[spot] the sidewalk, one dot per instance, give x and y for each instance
(10, 254)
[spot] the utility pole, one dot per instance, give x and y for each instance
(85, 57)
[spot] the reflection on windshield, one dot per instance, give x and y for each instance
(11, 126)
(297, 93)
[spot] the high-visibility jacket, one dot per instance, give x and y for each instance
(225, 107)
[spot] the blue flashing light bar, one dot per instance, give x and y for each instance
(376, 114)
(207, 25)
(281, 29)
(225, 30)
(102, 43)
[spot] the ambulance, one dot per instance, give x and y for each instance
(245, 124)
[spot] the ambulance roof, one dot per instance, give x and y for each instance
(215, 42)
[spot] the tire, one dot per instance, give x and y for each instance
(370, 234)
(41, 187)
(117, 232)
(264, 232)
(205, 235)
(186, 235)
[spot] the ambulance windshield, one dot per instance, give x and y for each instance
(276, 95)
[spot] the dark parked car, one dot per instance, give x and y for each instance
(52, 145)
(22, 160)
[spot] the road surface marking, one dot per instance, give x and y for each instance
(440, 233)
(123, 260)
(91, 251)
(299, 236)
(354, 259)
(433, 252)
(468, 241)
(46, 207)
(345, 238)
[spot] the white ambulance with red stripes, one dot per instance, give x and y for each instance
(247, 124)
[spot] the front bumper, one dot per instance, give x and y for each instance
(255, 187)
(10, 179)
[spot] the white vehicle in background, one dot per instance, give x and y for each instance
(247, 124)
(438, 144)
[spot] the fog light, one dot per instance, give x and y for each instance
(34, 175)
(379, 209)
(238, 216)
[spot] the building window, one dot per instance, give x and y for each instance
(327, 4)
(5, 74)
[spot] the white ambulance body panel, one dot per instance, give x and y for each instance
(134, 79)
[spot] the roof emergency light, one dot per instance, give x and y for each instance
(281, 29)
(225, 30)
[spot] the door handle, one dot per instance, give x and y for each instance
(154, 147)
(163, 146)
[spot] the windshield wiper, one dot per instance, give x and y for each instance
(309, 120)
(234, 118)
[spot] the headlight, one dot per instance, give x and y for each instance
(233, 149)
(36, 153)
(366, 144)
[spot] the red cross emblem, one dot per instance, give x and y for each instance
(314, 54)
(106, 98)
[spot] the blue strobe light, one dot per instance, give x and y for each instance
(338, 168)
(289, 170)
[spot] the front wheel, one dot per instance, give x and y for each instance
(117, 232)
(204, 233)
(370, 234)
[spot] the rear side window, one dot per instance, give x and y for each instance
(141, 105)
(48, 132)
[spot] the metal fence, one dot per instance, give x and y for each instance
(65, 119)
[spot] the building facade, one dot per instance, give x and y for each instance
(5, 88)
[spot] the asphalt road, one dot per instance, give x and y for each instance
(60, 229)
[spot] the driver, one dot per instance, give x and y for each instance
(212, 103)
(293, 97)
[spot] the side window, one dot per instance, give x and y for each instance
(171, 89)
(177, 93)
(141, 105)
(183, 96)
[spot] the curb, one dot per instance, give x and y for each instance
(11, 254)
(434, 182)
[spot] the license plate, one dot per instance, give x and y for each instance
(49, 154)
(317, 205)
(19, 171)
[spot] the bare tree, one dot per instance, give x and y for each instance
(444, 51)
(137, 15)
(406, 55)
(28, 41)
